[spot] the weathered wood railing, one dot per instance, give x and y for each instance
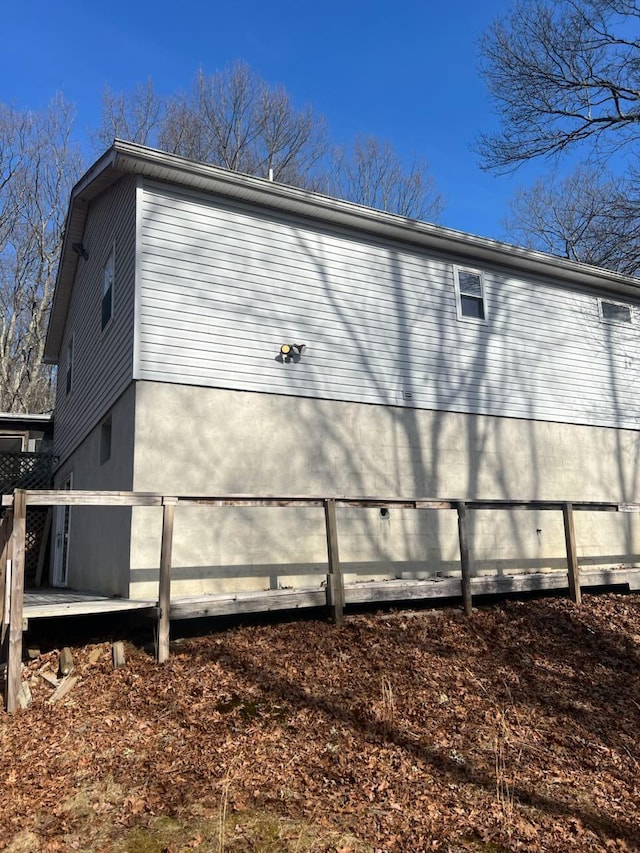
(6, 530)
(13, 528)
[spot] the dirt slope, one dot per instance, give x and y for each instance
(515, 730)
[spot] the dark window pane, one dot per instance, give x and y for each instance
(470, 283)
(106, 307)
(472, 307)
(10, 444)
(69, 377)
(105, 441)
(616, 313)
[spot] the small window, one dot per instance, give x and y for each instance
(11, 443)
(470, 294)
(614, 312)
(105, 440)
(69, 373)
(108, 279)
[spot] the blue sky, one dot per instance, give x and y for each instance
(404, 71)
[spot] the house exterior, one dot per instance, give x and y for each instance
(22, 433)
(25, 451)
(25, 463)
(421, 362)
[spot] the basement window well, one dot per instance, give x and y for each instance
(470, 297)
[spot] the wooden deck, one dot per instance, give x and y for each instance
(385, 592)
(17, 608)
(50, 603)
(47, 603)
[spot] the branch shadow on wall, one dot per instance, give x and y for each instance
(388, 336)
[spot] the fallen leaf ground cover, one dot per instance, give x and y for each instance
(514, 730)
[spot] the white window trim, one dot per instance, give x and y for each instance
(23, 436)
(110, 259)
(62, 515)
(483, 295)
(611, 322)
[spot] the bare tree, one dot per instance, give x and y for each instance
(371, 173)
(565, 76)
(38, 166)
(562, 73)
(583, 217)
(135, 116)
(235, 119)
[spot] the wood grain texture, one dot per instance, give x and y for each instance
(465, 558)
(164, 592)
(572, 554)
(335, 584)
(14, 650)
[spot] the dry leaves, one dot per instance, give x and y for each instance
(513, 731)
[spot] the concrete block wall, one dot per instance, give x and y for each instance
(211, 441)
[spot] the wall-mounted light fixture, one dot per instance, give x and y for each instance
(291, 351)
(80, 251)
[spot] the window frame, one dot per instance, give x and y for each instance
(108, 265)
(68, 373)
(609, 320)
(20, 436)
(106, 439)
(460, 293)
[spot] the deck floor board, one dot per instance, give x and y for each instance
(46, 603)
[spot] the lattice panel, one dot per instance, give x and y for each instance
(28, 471)
(36, 525)
(37, 528)
(24, 471)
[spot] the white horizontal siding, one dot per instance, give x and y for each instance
(222, 286)
(103, 360)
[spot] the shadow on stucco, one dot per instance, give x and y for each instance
(423, 441)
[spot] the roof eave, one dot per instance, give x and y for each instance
(82, 193)
(169, 167)
(130, 158)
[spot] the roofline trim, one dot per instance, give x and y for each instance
(130, 158)
(17, 416)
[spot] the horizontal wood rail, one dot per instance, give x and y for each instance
(12, 545)
(56, 497)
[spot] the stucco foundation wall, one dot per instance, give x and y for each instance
(99, 550)
(208, 441)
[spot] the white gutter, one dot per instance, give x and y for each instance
(16, 416)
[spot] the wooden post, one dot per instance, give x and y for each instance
(572, 555)
(6, 535)
(164, 591)
(43, 546)
(335, 586)
(14, 651)
(465, 559)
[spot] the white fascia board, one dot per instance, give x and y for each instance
(87, 188)
(213, 179)
(17, 416)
